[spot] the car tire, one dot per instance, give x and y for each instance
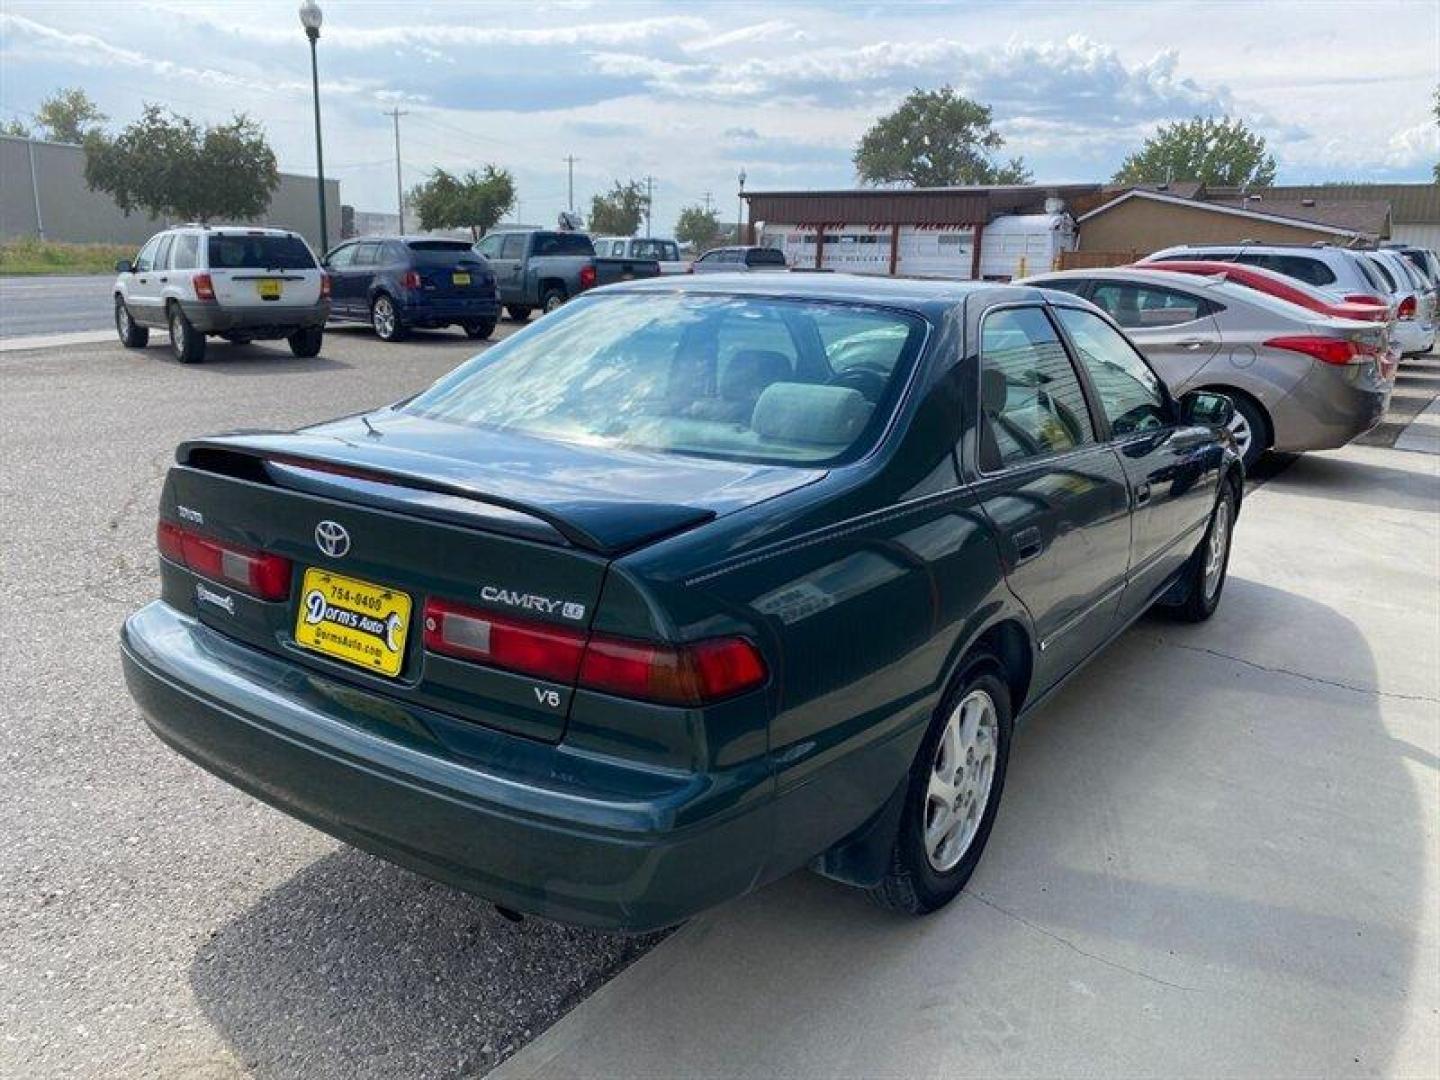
(187, 343)
(480, 330)
(306, 341)
(386, 319)
(552, 300)
(1204, 575)
(952, 794)
(1251, 429)
(518, 312)
(132, 334)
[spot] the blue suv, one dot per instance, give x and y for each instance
(396, 283)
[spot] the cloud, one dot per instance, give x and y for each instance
(769, 31)
(605, 129)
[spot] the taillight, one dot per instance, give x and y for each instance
(1328, 350)
(587, 276)
(324, 286)
(258, 573)
(689, 675)
(672, 675)
(411, 280)
(528, 648)
(204, 287)
(1407, 309)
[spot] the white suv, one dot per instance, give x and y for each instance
(242, 284)
(1339, 271)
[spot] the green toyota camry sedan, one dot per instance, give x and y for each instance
(685, 586)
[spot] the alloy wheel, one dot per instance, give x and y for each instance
(1217, 547)
(384, 317)
(122, 318)
(960, 780)
(1242, 431)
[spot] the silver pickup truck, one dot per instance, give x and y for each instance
(545, 267)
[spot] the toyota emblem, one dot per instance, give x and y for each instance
(332, 538)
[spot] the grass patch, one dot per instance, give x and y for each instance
(30, 256)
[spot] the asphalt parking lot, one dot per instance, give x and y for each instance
(1219, 847)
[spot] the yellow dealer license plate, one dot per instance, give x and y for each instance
(269, 288)
(354, 621)
(460, 279)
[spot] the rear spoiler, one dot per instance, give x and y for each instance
(395, 480)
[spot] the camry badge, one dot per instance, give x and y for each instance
(332, 538)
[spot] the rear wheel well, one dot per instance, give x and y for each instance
(1256, 404)
(1008, 643)
(551, 284)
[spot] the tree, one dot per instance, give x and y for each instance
(699, 226)
(68, 115)
(1437, 124)
(936, 138)
(171, 167)
(474, 201)
(16, 128)
(620, 210)
(1221, 152)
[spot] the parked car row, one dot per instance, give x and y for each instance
(1305, 341)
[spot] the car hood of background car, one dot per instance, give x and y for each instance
(601, 498)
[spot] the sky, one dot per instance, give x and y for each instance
(691, 93)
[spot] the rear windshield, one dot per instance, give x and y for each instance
(745, 379)
(765, 257)
(663, 250)
(241, 251)
(558, 243)
(441, 252)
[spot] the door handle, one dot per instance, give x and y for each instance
(1028, 543)
(1142, 494)
(163, 280)
(1195, 343)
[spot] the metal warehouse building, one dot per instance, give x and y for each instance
(967, 232)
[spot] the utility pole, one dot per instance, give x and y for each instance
(649, 199)
(708, 199)
(395, 114)
(570, 160)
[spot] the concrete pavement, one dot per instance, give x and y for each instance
(1217, 855)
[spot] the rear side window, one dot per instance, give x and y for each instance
(1031, 403)
(1300, 267)
(563, 244)
(247, 251)
(1130, 393)
(1386, 277)
(764, 257)
(430, 253)
(1370, 273)
(186, 252)
(662, 250)
(1139, 307)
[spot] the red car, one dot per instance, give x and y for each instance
(1278, 285)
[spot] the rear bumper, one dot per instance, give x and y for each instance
(259, 320)
(1329, 407)
(523, 823)
(425, 310)
(1414, 336)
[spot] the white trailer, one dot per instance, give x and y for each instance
(1018, 245)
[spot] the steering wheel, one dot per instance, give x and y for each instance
(869, 379)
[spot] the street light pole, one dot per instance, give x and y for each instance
(311, 18)
(740, 211)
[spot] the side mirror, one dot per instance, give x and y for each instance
(124, 267)
(1207, 407)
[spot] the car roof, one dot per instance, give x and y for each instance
(917, 294)
(1124, 273)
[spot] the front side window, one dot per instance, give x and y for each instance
(490, 247)
(146, 259)
(513, 246)
(162, 253)
(258, 251)
(1139, 307)
(1131, 395)
(342, 257)
(660, 250)
(1031, 404)
(743, 379)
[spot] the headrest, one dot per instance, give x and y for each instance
(993, 391)
(750, 371)
(810, 412)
